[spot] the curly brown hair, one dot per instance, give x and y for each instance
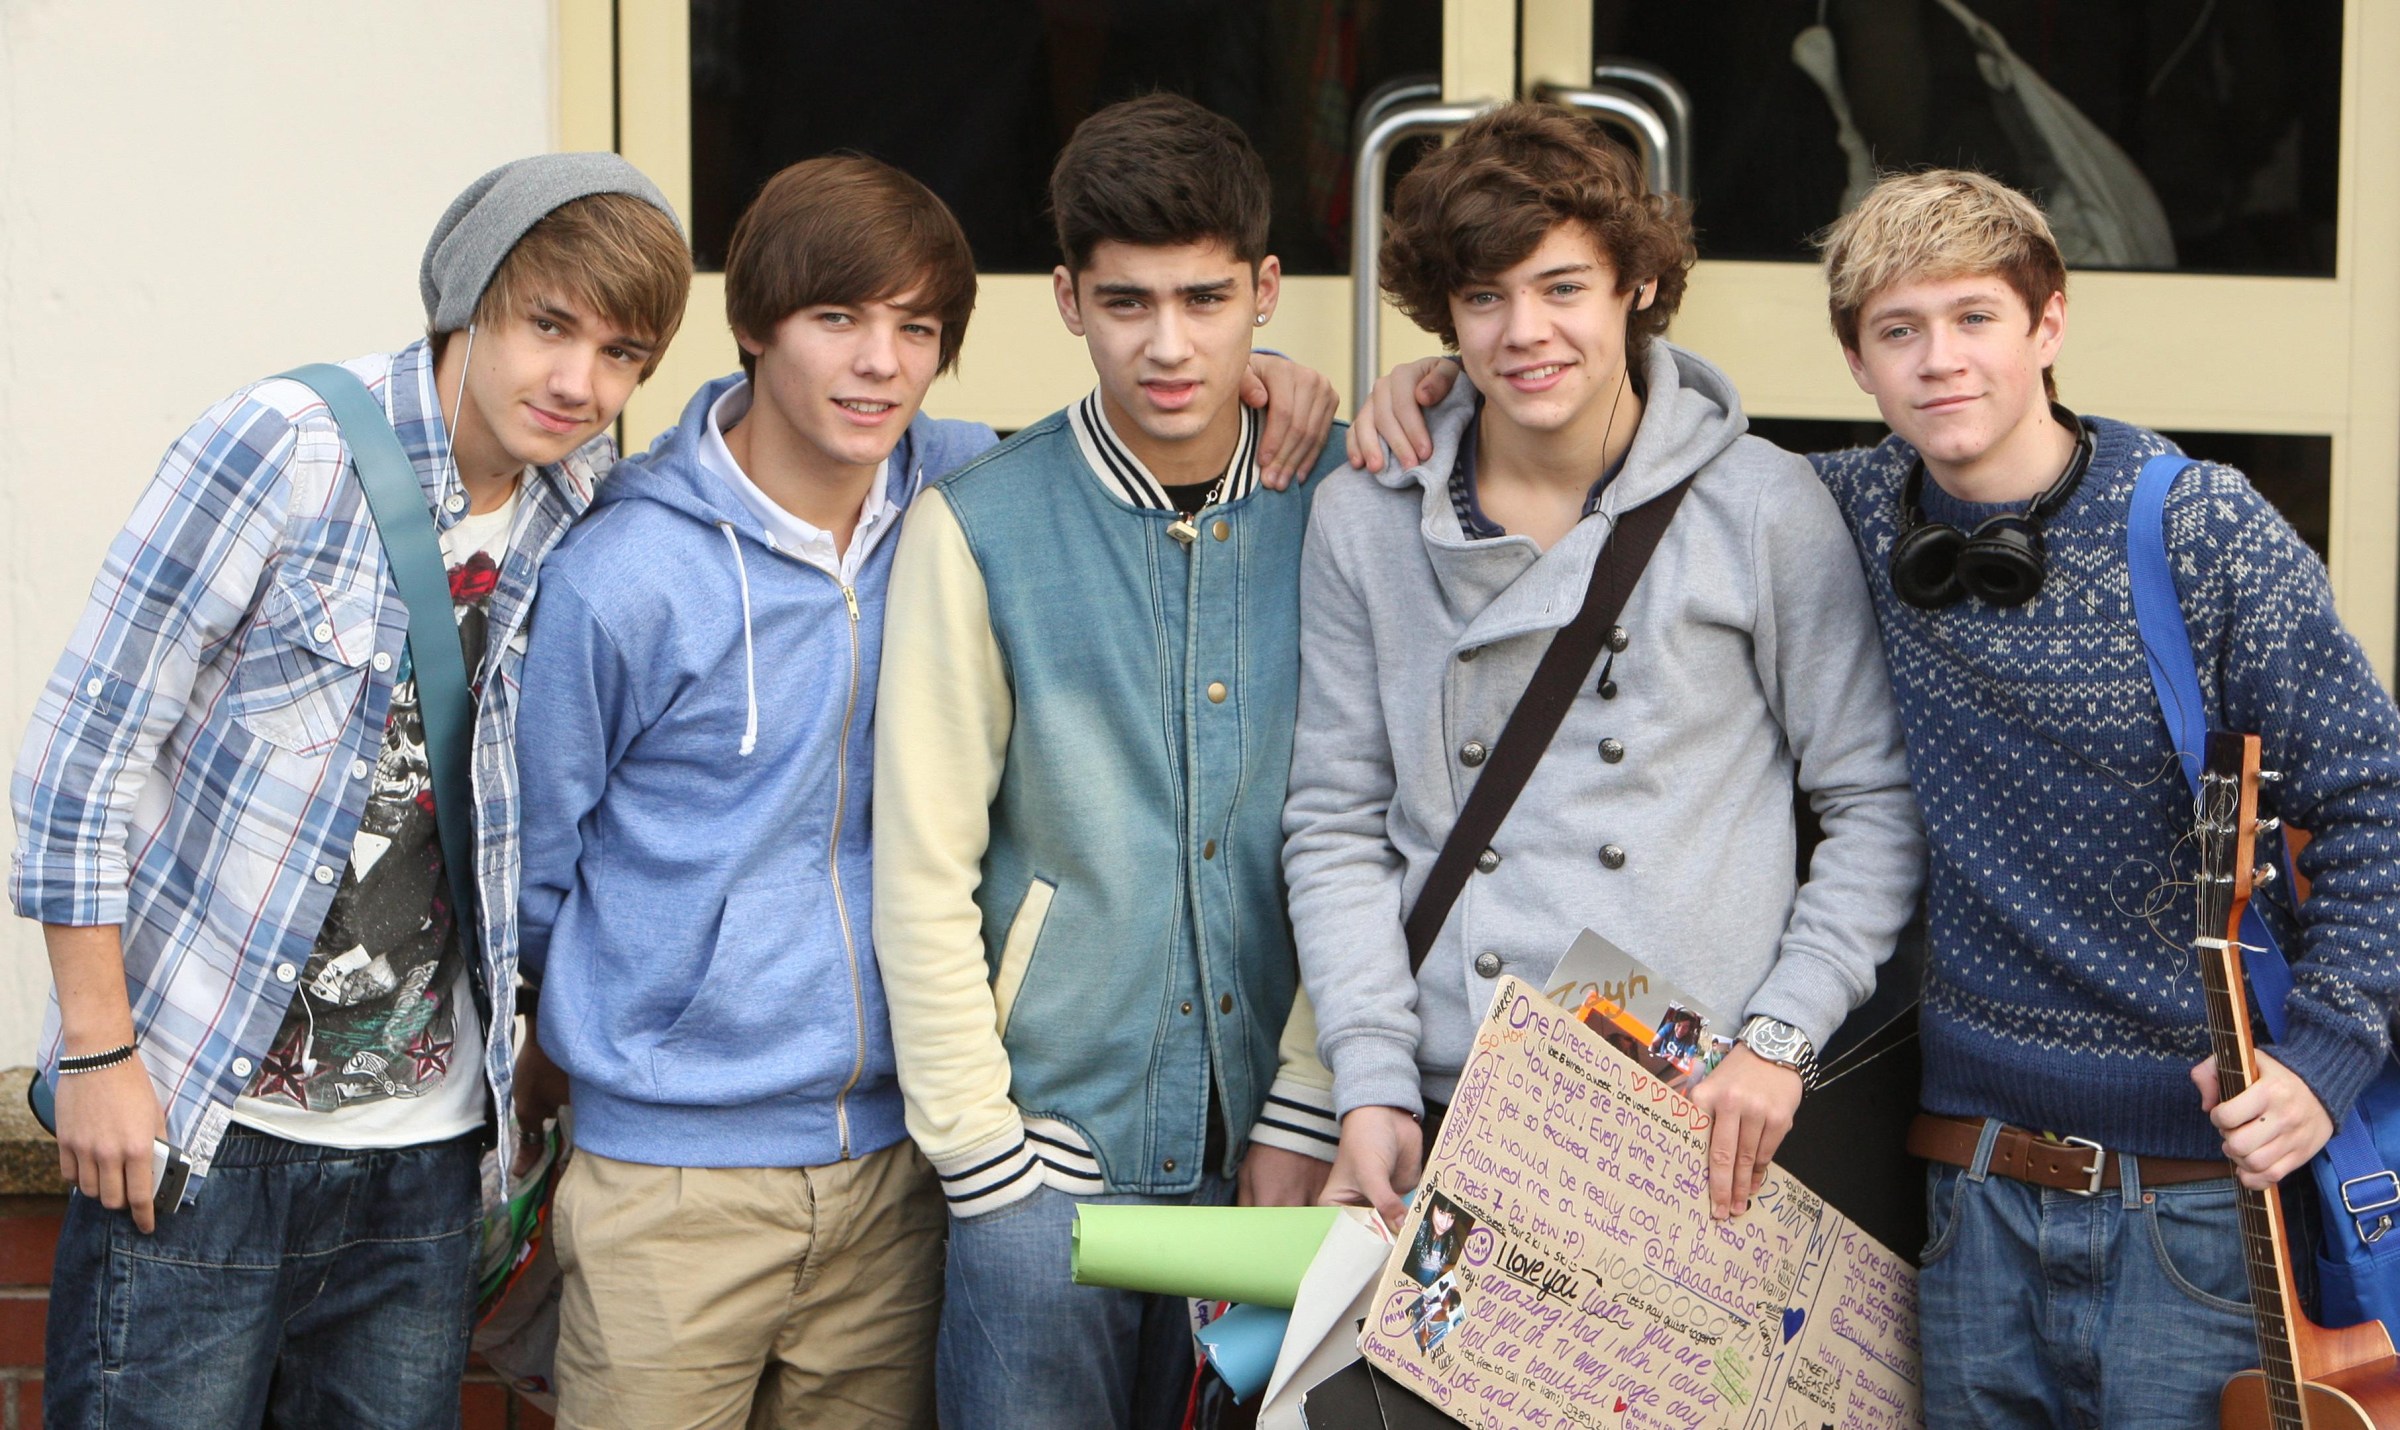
(1483, 203)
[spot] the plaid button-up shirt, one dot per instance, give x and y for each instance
(199, 760)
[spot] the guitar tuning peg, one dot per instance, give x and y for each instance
(2270, 777)
(2268, 826)
(2263, 875)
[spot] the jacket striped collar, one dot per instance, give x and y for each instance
(1122, 474)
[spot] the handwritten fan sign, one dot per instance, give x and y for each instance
(1559, 1267)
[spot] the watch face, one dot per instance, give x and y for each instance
(1777, 1042)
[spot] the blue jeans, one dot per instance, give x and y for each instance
(1024, 1348)
(306, 1287)
(2129, 1309)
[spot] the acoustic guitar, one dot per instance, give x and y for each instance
(2309, 1377)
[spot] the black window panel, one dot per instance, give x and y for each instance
(2230, 108)
(975, 97)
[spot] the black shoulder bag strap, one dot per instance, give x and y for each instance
(1540, 711)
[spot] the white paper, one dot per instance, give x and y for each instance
(1322, 1337)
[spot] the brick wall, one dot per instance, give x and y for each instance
(28, 1231)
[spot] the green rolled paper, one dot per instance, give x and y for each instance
(1254, 1255)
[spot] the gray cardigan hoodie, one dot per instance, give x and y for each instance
(1752, 656)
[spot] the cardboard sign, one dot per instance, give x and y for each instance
(1559, 1266)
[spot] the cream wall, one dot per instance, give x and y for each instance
(193, 196)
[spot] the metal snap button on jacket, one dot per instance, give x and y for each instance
(1216, 692)
(1487, 861)
(1612, 751)
(1612, 856)
(1617, 639)
(1471, 753)
(1487, 963)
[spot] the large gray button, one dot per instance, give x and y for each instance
(1472, 753)
(1617, 639)
(1468, 654)
(1487, 861)
(1487, 963)
(1612, 856)
(1612, 751)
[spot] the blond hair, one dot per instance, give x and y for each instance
(1939, 223)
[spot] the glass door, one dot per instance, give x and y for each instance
(2221, 173)
(711, 96)
(2227, 165)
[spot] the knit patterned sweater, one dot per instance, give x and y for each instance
(2062, 992)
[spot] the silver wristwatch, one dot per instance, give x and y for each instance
(1782, 1044)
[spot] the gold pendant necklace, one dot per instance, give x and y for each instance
(1181, 528)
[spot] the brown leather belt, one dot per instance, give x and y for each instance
(2075, 1165)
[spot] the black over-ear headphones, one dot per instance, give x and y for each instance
(2001, 563)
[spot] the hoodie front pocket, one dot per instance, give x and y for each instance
(1016, 956)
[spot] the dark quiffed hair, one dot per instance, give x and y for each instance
(847, 229)
(1155, 171)
(1471, 211)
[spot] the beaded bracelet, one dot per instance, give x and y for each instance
(94, 1062)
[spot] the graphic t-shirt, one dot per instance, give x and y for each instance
(382, 1046)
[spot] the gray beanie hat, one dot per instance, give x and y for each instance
(484, 223)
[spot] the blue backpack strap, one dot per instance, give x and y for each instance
(397, 500)
(2166, 640)
(2167, 649)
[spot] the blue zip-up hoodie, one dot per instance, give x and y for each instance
(695, 758)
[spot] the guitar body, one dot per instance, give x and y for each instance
(2364, 1397)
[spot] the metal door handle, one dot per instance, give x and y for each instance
(1397, 118)
(1673, 103)
(1634, 115)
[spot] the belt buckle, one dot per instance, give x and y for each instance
(2099, 1165)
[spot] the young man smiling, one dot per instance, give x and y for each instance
(746, 1230)
(2052, 798)
(1660, 814)
(1084, 730)
(226, 826)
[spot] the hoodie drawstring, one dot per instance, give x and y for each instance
(749, 658)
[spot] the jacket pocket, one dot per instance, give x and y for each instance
(1016, 956)
(303, 664)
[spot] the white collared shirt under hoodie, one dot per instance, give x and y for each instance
(785, 532)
